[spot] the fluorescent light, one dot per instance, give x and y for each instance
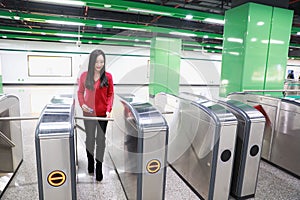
(238, 40)
(69, 41)
(27, 38)
(107, 6)
(34, 20)
(15, 31)
(129, 28)
(183, 34)
(67, 35)
(16, 17)
(141, 45)
(215, 21)
(224, 82)
(272, 41)
(234, 53)
(115, 38)
(66, 2)
(188, 17)
(99, 25)
(298, 33)
(149, 11)
(4, 36)
(64, 22)
(260, 23)
(5, 17)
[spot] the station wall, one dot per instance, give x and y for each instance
(128, 65)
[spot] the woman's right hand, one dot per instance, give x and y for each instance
(85, 108)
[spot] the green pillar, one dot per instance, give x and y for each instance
(164, 65)
(255, 48)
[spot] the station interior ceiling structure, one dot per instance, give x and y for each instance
(131, 23)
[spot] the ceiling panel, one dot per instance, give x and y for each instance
(127, 22)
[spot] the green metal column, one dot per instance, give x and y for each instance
(255, 48)
(164, 65)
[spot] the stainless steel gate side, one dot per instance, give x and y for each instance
(55, 152)
(286, 148)
(138, 148)
(202, 144)
(281, 147)
(11, 143)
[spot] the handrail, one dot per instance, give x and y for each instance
(95, 118)
(271, 91)
(17, 118)
(7, 140)
(33, 118)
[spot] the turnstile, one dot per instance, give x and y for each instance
(250, 132)
(201, 144)
(55, 152)
(282, 132)
(11, 145)
(138, 148)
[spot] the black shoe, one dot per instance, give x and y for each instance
(91, 162)
(99, 174)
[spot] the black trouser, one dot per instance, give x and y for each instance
(90, 128)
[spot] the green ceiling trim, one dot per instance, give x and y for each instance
(44, 32)
(143, 8)
(295, 30)
(295, 45)
(107, 24)
(52, 35)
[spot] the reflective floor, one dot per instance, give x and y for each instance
(272, 182)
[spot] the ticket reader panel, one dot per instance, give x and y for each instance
(55, 153)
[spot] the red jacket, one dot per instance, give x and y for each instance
(99, 99)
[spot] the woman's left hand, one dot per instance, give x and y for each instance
(108, 115)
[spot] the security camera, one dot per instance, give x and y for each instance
(78, 43)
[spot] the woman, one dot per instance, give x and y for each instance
(95, 96)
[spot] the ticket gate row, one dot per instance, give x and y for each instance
(210, 138)
(282, 132)
(214, 146)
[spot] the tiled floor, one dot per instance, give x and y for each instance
(272, 182)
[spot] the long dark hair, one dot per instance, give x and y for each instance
(89, 82)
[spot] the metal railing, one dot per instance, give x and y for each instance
(6, 140)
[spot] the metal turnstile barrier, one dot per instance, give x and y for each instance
(201, 144)
(282, 131)
(11, 145)
(55, 152)
(250, 133)
(138, 148)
